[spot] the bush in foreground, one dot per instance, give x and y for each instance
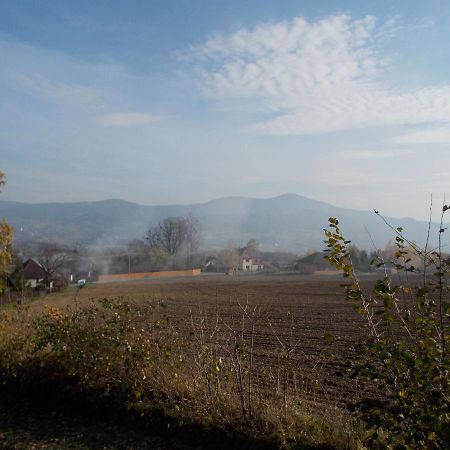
(137, 357)
(406, 350)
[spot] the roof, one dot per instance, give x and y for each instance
(32, 270)
(243, 252)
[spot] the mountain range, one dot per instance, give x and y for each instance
(289, 222)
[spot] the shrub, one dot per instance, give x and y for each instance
(406, 350)
(140, 359)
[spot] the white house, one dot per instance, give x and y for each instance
(250, 263)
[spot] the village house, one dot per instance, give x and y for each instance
(249, 262)
(212, 264)
(33, 274)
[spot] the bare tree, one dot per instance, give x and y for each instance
(193, 233)
(52, 257)
(169, 235)
(229, 257)
(138, 247)
(253, 247)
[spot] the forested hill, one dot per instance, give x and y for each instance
(288, 222)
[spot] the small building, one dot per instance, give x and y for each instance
(211, 264)
(249, 262)
(214, 264)
(33, 274)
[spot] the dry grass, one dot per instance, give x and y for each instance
(246, 356)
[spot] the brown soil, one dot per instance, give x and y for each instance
(308, 313)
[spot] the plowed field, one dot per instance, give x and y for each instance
(303, 320)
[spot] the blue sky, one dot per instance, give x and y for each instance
(185, 101)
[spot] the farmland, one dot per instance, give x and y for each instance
(267, 357)
(307, 315)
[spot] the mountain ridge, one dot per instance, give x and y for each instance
(285, 222)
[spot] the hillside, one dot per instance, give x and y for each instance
(288, 222)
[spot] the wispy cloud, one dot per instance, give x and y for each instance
(439, 135)
(70, 93)
(85, 93)
(51, 76)
(126, 119)
(314, 77)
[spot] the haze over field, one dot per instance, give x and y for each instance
(184, 102)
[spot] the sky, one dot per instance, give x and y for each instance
(184, 101)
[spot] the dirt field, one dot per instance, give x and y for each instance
(305, 314)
